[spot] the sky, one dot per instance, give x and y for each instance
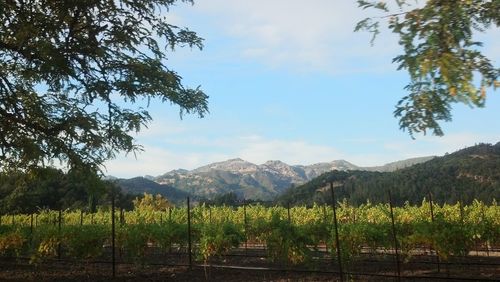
(291, 81)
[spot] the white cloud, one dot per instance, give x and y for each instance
(313, 35)
(260, 150)
(300, 36)
(316, 35)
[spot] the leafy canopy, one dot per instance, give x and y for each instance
(444, 62)
(151, 203)
(71, 72)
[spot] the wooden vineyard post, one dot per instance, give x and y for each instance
(113, 232)
(189, 235)
(325, 220)
(461, 211)
(483, 215)
(31, 224)
(209, 215)
(398, 267)
(81, 217)
(288, 213)
(59, 232)
(324, 213)
(337, 242)
(353, 215)
(245, 222)
(122, 217)
(432, 220)
(31, 228)
(170, 224)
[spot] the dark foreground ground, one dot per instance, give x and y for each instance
(21, 270)
(60, 271)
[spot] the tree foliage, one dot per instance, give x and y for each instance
(50, 188)
(442, 58)
(152, 203)
(73, 73)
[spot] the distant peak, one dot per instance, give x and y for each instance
(236, 160)
(177, 171)
(274, 162)
(233, 165)
(340, 161)
(109, 177)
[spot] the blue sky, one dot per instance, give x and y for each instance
(292, 81)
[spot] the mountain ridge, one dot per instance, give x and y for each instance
(251, 181)
(231, 165)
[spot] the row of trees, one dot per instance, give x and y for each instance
(465, 175)
(53, 189)
(50, 188)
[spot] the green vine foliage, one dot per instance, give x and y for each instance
(219, 239)
(453, 231)
(444, 62)
(45, 242)
(12, 241)
(169, 234)
(133, 240)
(287, 243)
(85, 242)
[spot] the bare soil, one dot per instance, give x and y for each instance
(252, 266)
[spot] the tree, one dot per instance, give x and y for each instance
(73, 72)
(440, 56)
(152, 203)
(230, 199)
(51, 188)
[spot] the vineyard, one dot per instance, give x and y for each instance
(342, 241)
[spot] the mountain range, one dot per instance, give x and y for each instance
(243, 178)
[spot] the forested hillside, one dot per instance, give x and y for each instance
(471, 173)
